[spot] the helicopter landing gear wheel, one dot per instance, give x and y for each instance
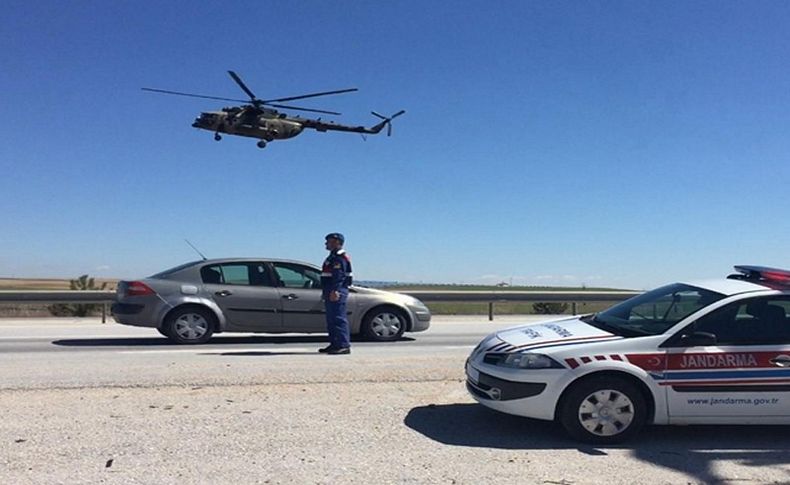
(217, 137)
(262, 144)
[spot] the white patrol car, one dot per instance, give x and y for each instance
(707, 352)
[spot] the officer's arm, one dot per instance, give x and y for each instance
(338, 274)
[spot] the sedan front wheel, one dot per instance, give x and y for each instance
(384, 325)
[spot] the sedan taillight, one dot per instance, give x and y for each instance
(138, 288)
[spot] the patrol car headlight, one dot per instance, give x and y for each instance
(523, 361)
(487, 342)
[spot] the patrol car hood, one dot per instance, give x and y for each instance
(557, 332)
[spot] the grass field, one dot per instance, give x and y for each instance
(32, 284)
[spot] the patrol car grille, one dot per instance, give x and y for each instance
(495, 389)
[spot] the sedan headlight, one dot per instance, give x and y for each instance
(522, 361)
(414, 302)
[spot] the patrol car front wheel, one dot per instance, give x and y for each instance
(603, 410)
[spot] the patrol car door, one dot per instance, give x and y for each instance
(299, 287)
(245, 293)
(732, 363)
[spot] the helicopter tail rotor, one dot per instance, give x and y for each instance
(387, 121)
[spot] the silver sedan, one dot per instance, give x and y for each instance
(191, 302)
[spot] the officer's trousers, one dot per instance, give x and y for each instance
(337, 322)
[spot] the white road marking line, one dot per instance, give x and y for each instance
(234, 350)
(280, 348)
(73, 336)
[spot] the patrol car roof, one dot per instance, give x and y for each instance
(727, 286)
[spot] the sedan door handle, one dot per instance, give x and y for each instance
(223, 293)
(781, 361)
(291, 297)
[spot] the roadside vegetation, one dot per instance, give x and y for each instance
(83, 283)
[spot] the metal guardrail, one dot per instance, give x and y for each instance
(528, 295)
(7, 296)
(103, 298)
(491, 297)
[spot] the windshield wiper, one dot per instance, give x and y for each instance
(597, 322)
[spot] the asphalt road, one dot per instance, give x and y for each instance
(89, 403)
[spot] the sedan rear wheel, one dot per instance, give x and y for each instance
(189, 326)
(384, 325)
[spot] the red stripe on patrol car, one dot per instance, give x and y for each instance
(703, 360)
(720, 382)
(721, 360)
(587, 359)
(647, 361)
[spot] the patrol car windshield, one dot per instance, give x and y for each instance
(654, 312)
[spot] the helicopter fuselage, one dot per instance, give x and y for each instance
(258, 118)
(235, 121)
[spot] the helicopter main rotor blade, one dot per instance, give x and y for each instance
(193, 95)
(243, 86)
(325, 93)
(303, 109)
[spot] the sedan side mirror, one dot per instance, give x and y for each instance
(698, 339)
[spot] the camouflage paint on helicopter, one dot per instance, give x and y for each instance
(255, 120)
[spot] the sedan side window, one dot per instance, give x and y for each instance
(756, 321)
(295, 276)
(246, 274)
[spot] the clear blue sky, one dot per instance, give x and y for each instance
(607, 143)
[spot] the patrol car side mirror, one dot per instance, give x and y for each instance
(698, 339)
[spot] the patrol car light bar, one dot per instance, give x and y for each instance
(762, 273)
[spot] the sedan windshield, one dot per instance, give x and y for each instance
(654, 312)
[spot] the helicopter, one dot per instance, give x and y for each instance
(258, 118)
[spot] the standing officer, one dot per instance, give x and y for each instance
(336, 277)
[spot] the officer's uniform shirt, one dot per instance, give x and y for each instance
(336, 272)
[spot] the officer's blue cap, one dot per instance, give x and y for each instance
(336, 235)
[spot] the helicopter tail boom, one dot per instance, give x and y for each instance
(323, 126)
